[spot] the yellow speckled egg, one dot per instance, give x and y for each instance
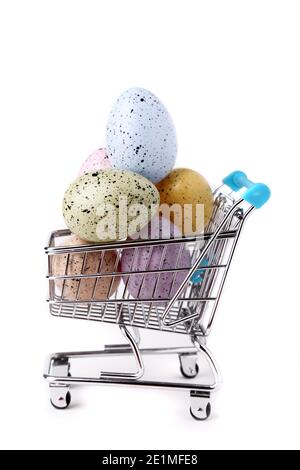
(76, 263)
(183, 186)
(95, 202)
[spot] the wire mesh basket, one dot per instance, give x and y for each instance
(178, 293)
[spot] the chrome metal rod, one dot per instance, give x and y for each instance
(138, 358)
(242, 222)
(196, 265)
(131, 301)
(187, 385)
(121, 349)
(129, 273)
(54, 250)
(211, 361)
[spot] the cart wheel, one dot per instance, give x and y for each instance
(60, 397)
(200, 404)
(188, 365)
(190, 372)
(201, 414)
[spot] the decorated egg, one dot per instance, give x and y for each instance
(78, 263)
(199, 274)
(185, 189)
(155, 286)
(109, 205)
(98, 160)
(140, 135)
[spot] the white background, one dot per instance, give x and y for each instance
(229, 74)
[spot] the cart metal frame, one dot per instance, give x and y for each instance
(190, 310)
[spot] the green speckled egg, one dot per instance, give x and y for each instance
(95, 202)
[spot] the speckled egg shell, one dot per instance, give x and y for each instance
(140, 135)
(74, 264)
(184, 186)
(156, 286)
(93, 191)
(98, 160)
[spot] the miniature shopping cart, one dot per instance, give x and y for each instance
(190, 310)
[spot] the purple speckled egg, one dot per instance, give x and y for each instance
(154, 285)
(98, 160)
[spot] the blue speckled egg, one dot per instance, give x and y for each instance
(140, 135)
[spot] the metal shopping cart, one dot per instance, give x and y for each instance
(190, 310)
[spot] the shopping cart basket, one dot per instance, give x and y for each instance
(189, 309)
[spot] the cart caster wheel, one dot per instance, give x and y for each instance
(201, 414)
(188, 365)
(60, 398)
(190, 372)
(200, 405)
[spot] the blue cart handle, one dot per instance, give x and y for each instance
(256, 194)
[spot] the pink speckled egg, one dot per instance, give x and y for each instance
(98, 160)
(154, 285)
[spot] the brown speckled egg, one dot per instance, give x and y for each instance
(183, 186)
(84, 289)
(94, 203)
